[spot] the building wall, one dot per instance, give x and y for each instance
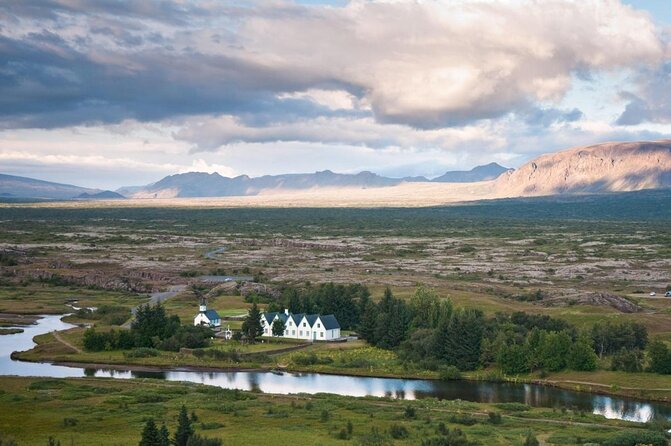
(299, 331)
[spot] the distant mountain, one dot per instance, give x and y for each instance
(22, 187)
(104, 195)
(607, 167)
(198, 184)
(487, 172)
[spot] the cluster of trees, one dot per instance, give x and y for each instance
(346, 302)
(152, 435)
(429, 331)
(152, 328)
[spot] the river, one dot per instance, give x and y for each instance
(311, 383)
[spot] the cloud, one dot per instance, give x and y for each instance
(425, 64)
(652, 101)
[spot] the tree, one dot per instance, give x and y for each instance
(581, 356)
(164, 436)
(425, 307)
(458, 339)
(279, 327)
(627, 361)
(150, 435)
(197, 440)
(251, 326)
(513, 359)
(660, 357)
(184, 428)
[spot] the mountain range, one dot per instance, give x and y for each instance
(607, 167)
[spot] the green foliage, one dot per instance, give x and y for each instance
(494, 417)
(184, 428)
(458, 339)
(513, 359)
(150, 435)
(278, 327)
(581, 356)
(530, 439)
(627, 361)
(634, 438)
(450, 373)
(611, 337)
(197, 440)
(398, 432)
(142, 352)
(409, 412)
(660, 357)
(251, 327)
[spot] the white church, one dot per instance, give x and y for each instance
(310, 327)
(209, 318)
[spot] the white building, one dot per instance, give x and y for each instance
(207, 317)
(310, 327)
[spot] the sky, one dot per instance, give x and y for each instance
(110, 94)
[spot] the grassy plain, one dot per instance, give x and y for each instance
(112, 412)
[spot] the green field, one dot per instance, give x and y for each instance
(112, 412)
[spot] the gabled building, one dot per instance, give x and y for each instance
(310, 327)
(209, 318)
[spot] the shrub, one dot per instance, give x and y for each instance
(635, 438)
(465, 419)
(410, 412)
(494, 417)
(627, 361)
(450, 373)
(324, 417)
(531, 440)
(398, 431)
(142, 352)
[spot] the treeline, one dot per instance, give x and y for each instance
(152, 328)
(184, 434)
(428, 331)
(346, 302)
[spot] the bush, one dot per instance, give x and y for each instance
(398, 431)
(513, 407)
(142, 352)
(197, 440)
(494, 417)
(531, 440)
(324, 417)
(410, 412)
(450, 373)
(465, 419)
(636, 438)
(627, 361)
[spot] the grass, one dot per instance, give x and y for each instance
(112, 412)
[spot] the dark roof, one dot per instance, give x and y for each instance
(311, 318)
(212, 315)
(330, 322)
(269, 317)
(283, 317)
(297, 317)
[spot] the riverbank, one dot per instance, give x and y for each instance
(640, 386)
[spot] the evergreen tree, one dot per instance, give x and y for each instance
(425, 307)
(164, 436)
(150, 435)
(251, 326)
(184, 428)
(279, 327)
(368, 322)
(459, 339)
(293, 300)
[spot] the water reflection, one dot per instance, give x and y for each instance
(311, 383)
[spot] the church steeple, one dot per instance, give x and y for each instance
(203, 304)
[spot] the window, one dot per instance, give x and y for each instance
(304, 324)
(321, 335)
(293, 332)
(265, 330)
(286, 332)
(319, 325)
(300, 333)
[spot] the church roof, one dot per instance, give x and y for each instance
(212, 315)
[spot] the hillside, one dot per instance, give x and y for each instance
(480, 173)
(607, 167)
(21, 187)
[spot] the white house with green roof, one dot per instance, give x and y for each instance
(310, 327)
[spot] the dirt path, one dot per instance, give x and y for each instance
(58, 337)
